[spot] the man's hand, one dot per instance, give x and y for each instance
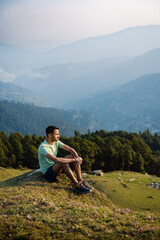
(79, 160)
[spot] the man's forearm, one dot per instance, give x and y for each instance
(73, 152)
(60, 160)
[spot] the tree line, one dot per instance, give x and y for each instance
(109, 151)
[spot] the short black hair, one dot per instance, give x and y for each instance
(50, 129)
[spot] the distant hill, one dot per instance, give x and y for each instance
(130, 42)
(132, 107)
(28, 119)
(18, 60)
(63, 83)
(76, 81)
(12, 92)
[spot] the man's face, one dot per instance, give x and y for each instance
(55, 135)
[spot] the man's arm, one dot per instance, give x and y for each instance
(71, 150)
(73, 153)
(75, 158)
(61, 160)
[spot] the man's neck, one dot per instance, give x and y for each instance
(50, 141)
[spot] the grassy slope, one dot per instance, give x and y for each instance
(34, 209)
(129, 189)
(8, 173)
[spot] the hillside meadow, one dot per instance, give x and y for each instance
(31, 208)
(129, 189)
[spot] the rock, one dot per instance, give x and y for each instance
(131, 179)
(120, 179)
(98, 172)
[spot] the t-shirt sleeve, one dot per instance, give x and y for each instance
(60, 144)
(43, 151)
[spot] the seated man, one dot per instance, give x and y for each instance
(51, 165)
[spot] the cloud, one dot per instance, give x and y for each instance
(6, 76)
(38, 75)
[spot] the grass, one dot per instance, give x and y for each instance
(129, 189)
(31, 208)
(6, 173)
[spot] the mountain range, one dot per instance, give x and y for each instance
(129, 42)
(108, 76)
(64, 84)
(133, 107)
(13, 92)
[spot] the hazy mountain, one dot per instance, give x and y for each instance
(132, 107)
(18, 60)
(28, 119)
(132, 41)
(12, 92)
(65, 84)
(128, 42)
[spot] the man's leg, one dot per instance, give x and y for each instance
(76, 167)
(79, 187)
(57, 167)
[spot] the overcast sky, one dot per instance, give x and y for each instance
(56, 22)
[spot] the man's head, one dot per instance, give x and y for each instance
(52, 133)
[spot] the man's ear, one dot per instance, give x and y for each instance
(49, 135)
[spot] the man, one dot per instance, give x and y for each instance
(51, 165)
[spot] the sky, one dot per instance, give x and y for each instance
(51, 23)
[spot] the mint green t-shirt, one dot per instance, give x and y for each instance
(44, 149)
